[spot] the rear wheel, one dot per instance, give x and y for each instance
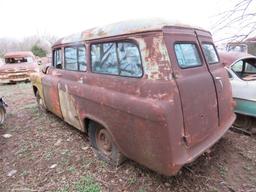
(103, 144)
(2, 115)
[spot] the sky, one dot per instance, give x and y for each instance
(22, 18)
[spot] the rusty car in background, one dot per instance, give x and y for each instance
(248, 46)
(152, 91)
(241, 68)
(18, 66)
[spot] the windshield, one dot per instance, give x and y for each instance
(245, 69)
(15, 60)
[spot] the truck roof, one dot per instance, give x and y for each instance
(18, 54)
(122, 28)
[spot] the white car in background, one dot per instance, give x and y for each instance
(242, 74)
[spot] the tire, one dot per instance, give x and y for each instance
(2, 115)
(103, 145)
(244, 122)
(40, 103)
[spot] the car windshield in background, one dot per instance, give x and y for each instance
(18, 60)
(245, 69)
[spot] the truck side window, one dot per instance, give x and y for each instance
(57, 59)
(81, 58)
(187, 55)
(75, 58)
(129, 60)
(104, 58)
(210, 53)
(116, 58)
(71, 59)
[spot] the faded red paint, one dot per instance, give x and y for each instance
(157, 120)
(20, 71)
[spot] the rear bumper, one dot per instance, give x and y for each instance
(190, 154)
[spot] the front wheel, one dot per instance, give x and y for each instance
(103, 145)
(40, 103)
(2, 115)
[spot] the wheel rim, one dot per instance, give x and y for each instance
(2, 115)
(104, 141)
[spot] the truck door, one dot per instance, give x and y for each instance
(195, 84)
(50, 84)
(71, 83)
(220, 76)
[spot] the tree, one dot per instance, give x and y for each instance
(239, 23)
(38, 51)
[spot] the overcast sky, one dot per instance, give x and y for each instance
(21, 18)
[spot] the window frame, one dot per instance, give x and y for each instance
(211, 43)
(53, 58)
(118, 59)
(78, 65)
(198, 50)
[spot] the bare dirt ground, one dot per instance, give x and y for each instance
(46, 154)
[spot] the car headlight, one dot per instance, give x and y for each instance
(3, 76)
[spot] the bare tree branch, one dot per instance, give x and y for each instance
(239, 21)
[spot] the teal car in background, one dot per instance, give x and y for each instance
(241, 69)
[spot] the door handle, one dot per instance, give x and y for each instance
(220, 81)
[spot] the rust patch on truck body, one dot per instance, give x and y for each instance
(145, 116)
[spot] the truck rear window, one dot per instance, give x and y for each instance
(187, 55)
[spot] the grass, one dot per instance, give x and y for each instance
(87, 184)
(132, 181)
(141, 190)
(223, 170)
(22, 150)
(71, 169)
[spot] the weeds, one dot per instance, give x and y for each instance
(87, 184)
